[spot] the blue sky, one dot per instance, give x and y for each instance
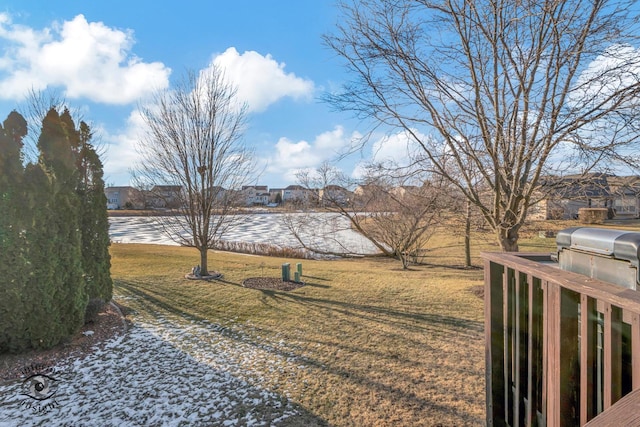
(105, 57)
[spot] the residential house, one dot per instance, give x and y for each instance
(626, 195)
(370, 197)
(562, 198)
(404, 190)
(275, 196)
(219, 192)
(255, 195)
(123, 197)
(296, 194)
(333, 195)
(166, 196)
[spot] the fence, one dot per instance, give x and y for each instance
(562, 349)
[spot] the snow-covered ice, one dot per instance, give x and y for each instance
(327, 231)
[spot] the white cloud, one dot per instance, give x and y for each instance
(88, 59)
(261, 80)
(122, 152)
(291, 157)
(394, 150)
(617, 68)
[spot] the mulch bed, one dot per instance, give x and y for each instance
(271, 283)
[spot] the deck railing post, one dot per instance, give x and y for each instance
(551, 376)
(588, 331)
(507, 326)
(569, 358)
(635, 350)
(494, 344)
(612, 355)
(534, 350)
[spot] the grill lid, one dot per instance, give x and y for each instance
(599, 242)
(603, 241)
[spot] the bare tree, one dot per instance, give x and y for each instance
(497, 93)
(193, 148)
(398, 219)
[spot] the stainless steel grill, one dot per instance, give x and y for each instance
(605, 254)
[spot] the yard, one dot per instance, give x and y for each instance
(363, 343)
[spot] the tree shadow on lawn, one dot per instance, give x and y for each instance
(399, 395)
(404, 318)
(415, 330)
(314, 285)
(144, 379)
(316, 278)
(400, 392)
(265, 411)
(381, 354)
(415, 321)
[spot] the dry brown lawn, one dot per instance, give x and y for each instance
(380, 346)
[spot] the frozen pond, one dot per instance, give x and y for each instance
(326, 231)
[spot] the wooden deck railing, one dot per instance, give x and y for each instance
(561, 348)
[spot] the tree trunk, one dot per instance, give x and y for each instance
(404, 257)
(467, 236)
(204, 268)
(508, 238)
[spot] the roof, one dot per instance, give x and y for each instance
(591, 185)
(166, 188)
(116, 188)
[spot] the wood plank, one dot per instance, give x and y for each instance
(635, 350)
(552, 355)
(516, 352)
(626, 299)
(626, 412)
(506, 326)
(510, 346)
(612, 355)
(588, 330)
(488, 341)
(494, 344)
(545, 348)
(534, 351)
(531, 404)
(569, 359)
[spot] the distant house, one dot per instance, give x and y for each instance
(334, 195)
(255, 195)
(275, 195)
(405, 190)
(370, 196)
(563, 197)
(123, 198)
(365, 190)
(218, 192)
(626, 195)
(296, 194)
(166, 196)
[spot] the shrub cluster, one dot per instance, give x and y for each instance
(266, 249)
(54, 241)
